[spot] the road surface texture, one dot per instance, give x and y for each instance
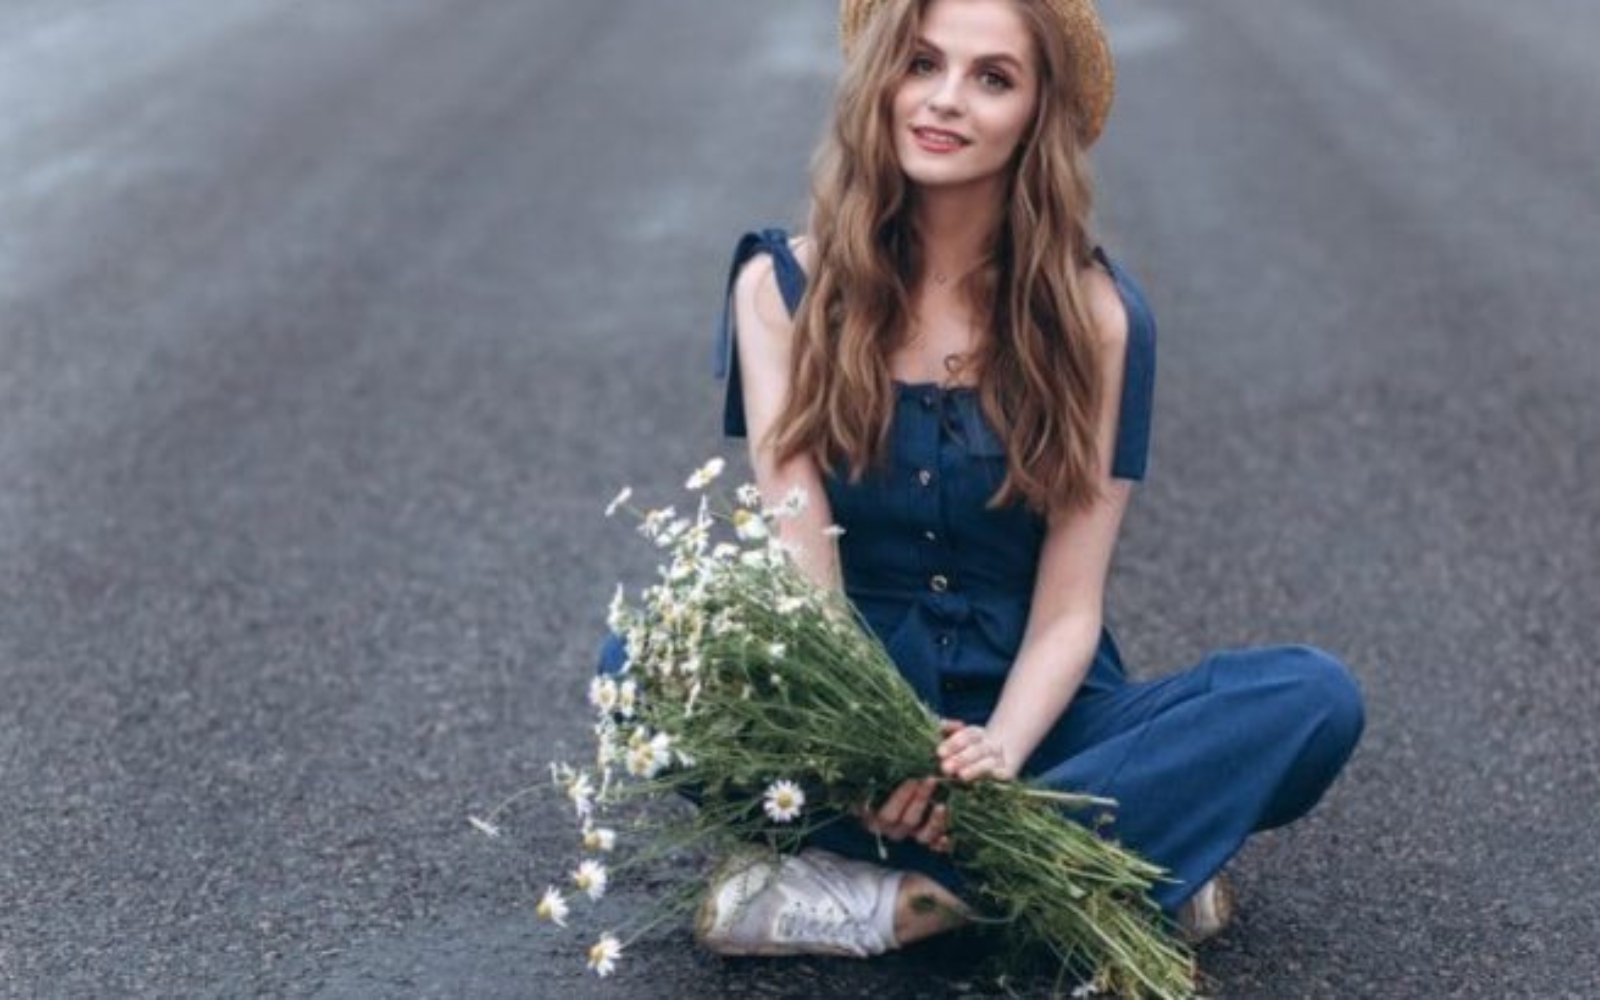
(327, 330)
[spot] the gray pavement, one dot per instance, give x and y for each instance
(327, 329)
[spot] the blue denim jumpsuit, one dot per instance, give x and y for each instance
(1197, 760)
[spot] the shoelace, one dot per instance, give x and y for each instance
(837, 929)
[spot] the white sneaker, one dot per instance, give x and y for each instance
(811, 903)
(1208, 912)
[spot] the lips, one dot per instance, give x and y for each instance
(937, 140)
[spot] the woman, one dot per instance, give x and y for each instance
(959, 378)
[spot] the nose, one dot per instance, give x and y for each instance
(945, 99)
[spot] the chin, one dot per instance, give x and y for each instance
(921, 176)
(919, 170)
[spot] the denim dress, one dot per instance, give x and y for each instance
(1196, 759)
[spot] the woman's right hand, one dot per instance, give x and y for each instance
(910, 811)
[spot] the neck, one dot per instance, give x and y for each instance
(954, 225)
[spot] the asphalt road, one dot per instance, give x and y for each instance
(326, 330)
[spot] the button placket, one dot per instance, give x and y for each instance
(938, 554)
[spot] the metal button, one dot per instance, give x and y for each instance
(927, 400)
(924, 477)
(930, 536)
(939, 583)
(944, 639)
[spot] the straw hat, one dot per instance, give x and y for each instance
(1091, 54)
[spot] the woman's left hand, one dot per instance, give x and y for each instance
(969, 753)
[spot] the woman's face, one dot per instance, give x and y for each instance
(968, 94)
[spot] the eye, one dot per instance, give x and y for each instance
(922, 65)
(994, 80)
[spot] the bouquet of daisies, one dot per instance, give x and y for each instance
(744, 690)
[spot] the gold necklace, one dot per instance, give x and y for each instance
(943, 278)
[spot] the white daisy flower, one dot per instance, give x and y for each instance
(622, 497)
(750, 527)
(637, 761)
(627, 697)
(671, 532)
(661, 749)
(647, 758)
(484, 827)
(603, 695)
(552, 907)
(617, 612)
(783, 801)
(723, 551)
(703, 476)
(590, 878)
(655, 522)
(603, 955)
(697, 538)
(776, 650)
(789, 605)
(748, 495)
(599, 838)
(581, 791)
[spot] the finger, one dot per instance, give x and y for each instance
(968, 757)
(959, 741)
(943, 846)
(889, 813)
(974, 763)
(987, 767)
(952, 762)
(916, 811)
(948, 726)
(902, 814)
(933, 830)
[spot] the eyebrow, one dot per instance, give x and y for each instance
(991, 57)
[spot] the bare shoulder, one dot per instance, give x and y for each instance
(756, 287)
(805, 251)
(1106, 310)
(756, 294)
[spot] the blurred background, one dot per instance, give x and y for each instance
(328, 330)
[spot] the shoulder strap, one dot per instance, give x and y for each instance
(1139, 375)
(791, 285)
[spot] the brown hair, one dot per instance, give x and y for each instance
(1039, 382)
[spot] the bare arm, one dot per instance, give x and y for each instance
(765, 332)
(1065, 616)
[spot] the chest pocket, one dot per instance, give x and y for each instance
(967, 443)
(1000, 544)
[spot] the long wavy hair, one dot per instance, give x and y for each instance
(1037, 374)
